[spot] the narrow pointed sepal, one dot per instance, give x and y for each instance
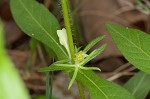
(73, 77)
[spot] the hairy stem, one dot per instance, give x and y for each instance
(68, 28)
(70, 40)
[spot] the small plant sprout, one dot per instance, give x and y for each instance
(81, 58)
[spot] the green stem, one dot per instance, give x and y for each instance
(48, 87)
(81, 90)
(49, 75)
(49, 79)
(68, 28)
(70, 40)
(1, 38)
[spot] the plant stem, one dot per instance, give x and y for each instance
(68, 28)
(49, 75)
(81, 90)
(1, 38)
(49, 79)
(48, 87)
(70, 40)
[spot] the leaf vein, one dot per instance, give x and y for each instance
(41, 26)
(131, 42)
(95, 85)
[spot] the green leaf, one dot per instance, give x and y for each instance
(90, 68)
(133, 44)
(93, 54)
(57, 67)
(36, 21)
(11, 84)
(100, 88)
(92, 43)
(138, 85)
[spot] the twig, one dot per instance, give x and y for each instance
(122, 67)
(119, 75)
(141, 10)
(118, 72)
(103, 15)
(124, 9)
(147, 2)
(130, 7)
